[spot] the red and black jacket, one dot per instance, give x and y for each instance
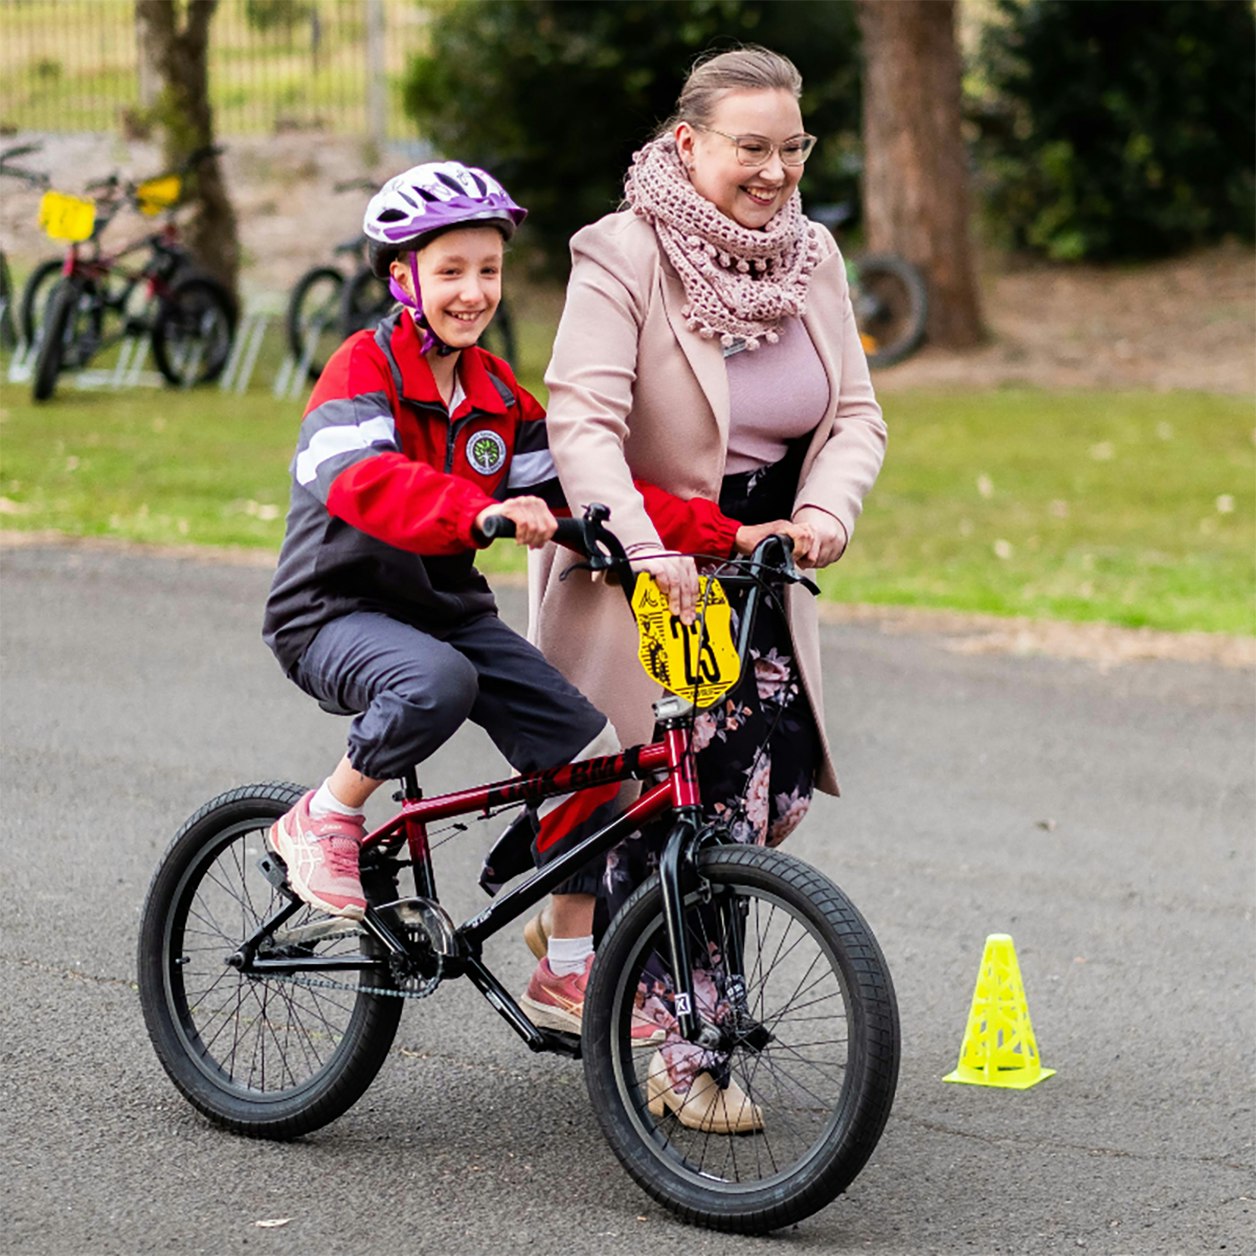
(386, 485)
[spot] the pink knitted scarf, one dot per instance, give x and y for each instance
(739, 283)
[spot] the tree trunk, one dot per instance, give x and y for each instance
(915, 200)
(175, 40)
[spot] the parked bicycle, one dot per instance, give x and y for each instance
(272, 1018)
(15, 332)
(187, 317)
(889, 295)
(328, 305)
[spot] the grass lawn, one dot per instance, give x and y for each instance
(1130, 508)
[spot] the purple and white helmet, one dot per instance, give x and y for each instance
(434, 197)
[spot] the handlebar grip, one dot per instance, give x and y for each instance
(198, 155)
(495, 527)
(570, 531)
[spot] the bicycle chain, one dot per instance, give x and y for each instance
(393, 992)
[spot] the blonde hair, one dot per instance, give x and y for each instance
(749, 68)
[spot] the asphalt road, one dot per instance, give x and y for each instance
(1104, 819)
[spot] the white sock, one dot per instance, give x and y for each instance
(325, 802)
(568, 955)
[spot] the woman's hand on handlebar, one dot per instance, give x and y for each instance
(828, 537)
(677, 576)
(534, 521)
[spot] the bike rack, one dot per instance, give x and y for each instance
(290, 383)
(245, 348)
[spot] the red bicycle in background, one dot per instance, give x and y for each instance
(148, 288)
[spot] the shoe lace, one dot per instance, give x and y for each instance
(342, 856)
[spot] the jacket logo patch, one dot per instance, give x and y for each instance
(486, 451)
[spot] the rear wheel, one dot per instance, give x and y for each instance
(260, 1054)
(891, 305)
(808, 1030)
(192, 331)
(313, 320)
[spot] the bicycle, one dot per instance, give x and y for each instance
(272, 1019)
(14, 333)
(889, 295)
(313, 322)
(188, 317)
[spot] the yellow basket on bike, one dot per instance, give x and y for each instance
(154, 195)
(70, 219)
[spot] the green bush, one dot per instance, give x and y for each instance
(1119, 128)
(554, 97)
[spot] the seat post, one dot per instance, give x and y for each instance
(410, 791)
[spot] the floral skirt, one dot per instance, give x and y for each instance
(757, 751)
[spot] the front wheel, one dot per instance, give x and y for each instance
(891, 307)
(56, 338)
(36, 293)
(192, 331)
(264, 1055)
(790, 975)
(313, 318)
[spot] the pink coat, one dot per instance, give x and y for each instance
(633, 392)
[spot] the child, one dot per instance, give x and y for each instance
(412, 438)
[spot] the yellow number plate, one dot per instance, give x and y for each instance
(697, 662)
(154, 195)
(67, 218)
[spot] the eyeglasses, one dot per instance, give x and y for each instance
(758, 150)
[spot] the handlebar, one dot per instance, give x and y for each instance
(603, 550)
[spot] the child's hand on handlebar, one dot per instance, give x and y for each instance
(751, 535)
(534, 521)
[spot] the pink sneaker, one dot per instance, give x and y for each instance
(555, 1002)
(322, 858)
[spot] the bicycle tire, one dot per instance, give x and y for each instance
(8, 327)
(192, 331)
(891, 307)
(260, 1056)
(312, 315)
(364, 302)
(52, 341)
(35, 296)
(824, 1084)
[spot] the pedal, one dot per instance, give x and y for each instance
(558, 1043)
(276, 872)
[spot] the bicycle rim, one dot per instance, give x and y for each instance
(256, 1038)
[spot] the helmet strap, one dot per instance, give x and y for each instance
(414, 304)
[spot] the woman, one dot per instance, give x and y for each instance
(708, 347)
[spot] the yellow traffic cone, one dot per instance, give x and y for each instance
(999, 1047)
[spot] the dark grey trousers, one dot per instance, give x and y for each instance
(411, 690)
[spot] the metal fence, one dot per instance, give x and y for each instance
(330, 66)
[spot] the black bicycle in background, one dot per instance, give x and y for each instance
(148, 288)
(334, 299)
(18, 332)
(888, 293)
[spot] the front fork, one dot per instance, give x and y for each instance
(678, 875)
